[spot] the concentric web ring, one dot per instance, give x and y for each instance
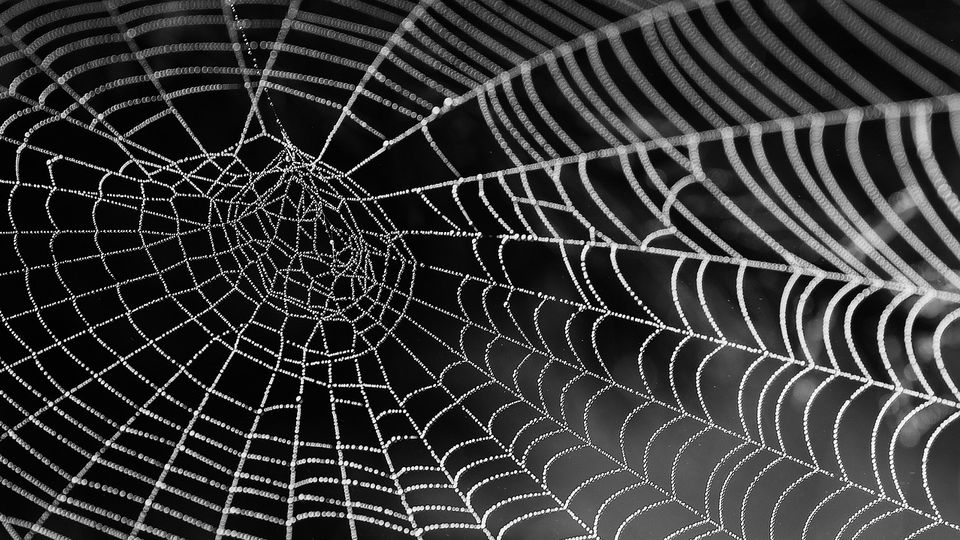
(479, 269)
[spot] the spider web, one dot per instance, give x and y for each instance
(479, 269)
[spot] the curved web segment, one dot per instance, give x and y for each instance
(479, 269)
